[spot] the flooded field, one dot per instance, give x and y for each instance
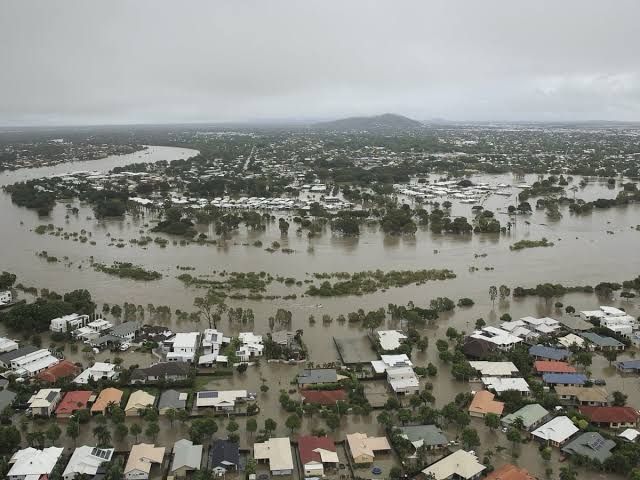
(589, 249)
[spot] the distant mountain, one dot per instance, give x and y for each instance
(387, 121)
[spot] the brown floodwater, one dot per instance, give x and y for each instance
(588, 249)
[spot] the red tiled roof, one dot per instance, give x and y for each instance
(307, 444)
(60, 370)
(510, 472)
(323, 397)
(610, 414)
(545, 366)
(73, 401)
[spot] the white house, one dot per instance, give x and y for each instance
(543, 325)
(390, 339)
(45, 401)
(31, 364)
(623, 325)
(556, 432)
(222, 400)
(86, 460)
(99, 371)
(7, 345)
(93, 330)
(503, 384)
(495, 369)
(459, 465)
(5, 297)
(68, 323)
(571, 339)
(399, 370)
(183, 347)
(277, 452)
(602, 313)
(251, 346)
(501, 339)
(212, 342)
(31, 463)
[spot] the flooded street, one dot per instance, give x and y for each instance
(584, 254)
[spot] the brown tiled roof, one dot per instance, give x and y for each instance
(60, 370)
(610, 414)
(510, 472)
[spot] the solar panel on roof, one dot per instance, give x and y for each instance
(207, 394)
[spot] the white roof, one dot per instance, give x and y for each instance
(557, 430)
(630, 434)
(186, 340)
(541, 321)
(86, 460)
(496, 336)
(7, 345)
(97, 371)
(571, 339)
(495, 369)
(41, 399)
(34, 462)
(461, 463)
(249, 338)
(220, 398)
(277, 451)
(501, 384)
(390, 339)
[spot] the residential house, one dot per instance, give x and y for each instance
(556, 432)
(161, 372)
(477, 348)
(542, 352)
(107, 397)
(224, 456)
(567, 379)
(430, 437)
(571, 340)
(604, 312)
(520, 330)
(212, 342)
(316, 454)
(460, 465)
(172, 400)
(6, 297)
(390, 339)
(532, 416)
(543, 326)
(142, 457)
(500, 385)
(483, 403)
(500, 339)
(400, 374)
(628, 366)
(126, 331)
(63, 369)
(138, 401)
(7, 345)
(28, 361)
(251, 346)
(277, 453)
(611, 417)
(629, 435)
(33, 464)
(187, 457)
(98, 371)
(590, 445)
(546, 366)
(623, 326)
(323, 397)
(363, 448)
(183, 347)
(68, 323)
(510, 472)
(88, 462)
(495, 369)
(222, 400)
(584, 396)
(72, 402)
(44, 402)
(93, 330)
(602, 343)
(317, 376)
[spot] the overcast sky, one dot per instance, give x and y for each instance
(79, 62)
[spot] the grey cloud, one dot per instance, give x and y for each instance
(168, 61)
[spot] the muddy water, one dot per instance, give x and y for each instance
(584, 253)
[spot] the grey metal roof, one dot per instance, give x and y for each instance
(162, 369)
(430, 434)
(591, 445)
(6, 358)
(125, 328)
(171, 399)
(601, 341)
(317, 375)
(186, 454)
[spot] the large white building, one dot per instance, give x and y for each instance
(183, 347)
(390, 339)
(68, 323)
(31, 364)
(31, 463)
(98, 371)
(251, 346)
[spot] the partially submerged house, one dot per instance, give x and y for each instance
(88, 461)
(63, 369)
(611, 417)
(460, 465)
(31, 463)
(316, 454)
(430, 437)
(589, 396)
(556, 432)
(531, 415)
(590, 445)
(390, 340)
(162, 372)
(141, 458)
(138, 401)
(72, 402)
(172, 400)
(222, 400)
(187, 457)
(510, 472)
(224, 456)
(363, 448)
(106, 398)
(566, 379)
(483, 403)
(400, 374)
(317, 376)
(98, 371)
(547, 366)
(44, 402)
(277, 453)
